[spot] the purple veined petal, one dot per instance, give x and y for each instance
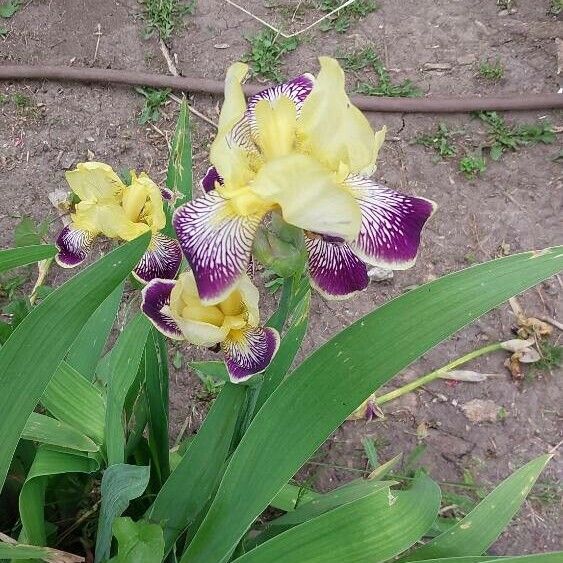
(249, 351)
(392, 223)
(297, 89)
(335, 271)
(208, 181)
(161, 260)
(167, 194)
(154, 304)
(216, 242)
(74, 245)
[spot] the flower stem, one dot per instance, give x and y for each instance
(424, 379)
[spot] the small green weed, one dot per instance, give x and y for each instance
(504, 137)
(154, 100)
(162, 16)
(551, 356)
(4, 32)
(3, 99)
(9, 8)
(555, 8)
(266, 50)
(492, 71)
(22, 101)
(440, 141)
(368, 58)
(472, 165)
(341, 20)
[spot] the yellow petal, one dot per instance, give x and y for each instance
(200, 333)
(309, 196)
(108, 219)
(234, 105)
(250, 297)
(95, 181)
(332, 129)
(142, 201)
(276, 126)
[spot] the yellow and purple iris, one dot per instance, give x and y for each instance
(109, 207)
(303, 149)
(176, 310)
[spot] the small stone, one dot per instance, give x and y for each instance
(479, 410)
(380, 274)
(503, 13)
(67, 161)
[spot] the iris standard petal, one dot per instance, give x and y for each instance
(392, 223)
(95, 181)
(73, 244)
(335, 271)
(249, 351)
(250, 298)
(332, 129)
(211, 179)
(161, 260)
(309, 196)
(216, 242)
(155, 305)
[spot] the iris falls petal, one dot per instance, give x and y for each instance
(210, 179)
(161, 260)
(335, 271)
(155, 305)
(392, 223)
(217, 243)
(249, 351)
(73, 244)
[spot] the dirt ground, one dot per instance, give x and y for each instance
(515, 205)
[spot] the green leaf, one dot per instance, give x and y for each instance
(330, 384)
(47, 462)
(179, 177)
(121, 484)
(290, 496)
(123, 367)
(380, 471)
(47, 430)
(31, 355)
(137, 542)
(215, 369)
(481, 527)
(370, 529)
(9, 8)
(86, 350)
(14, 257)
(71, 398)
(192, 484)
(21, 551)
(496, 151)
(27, 233)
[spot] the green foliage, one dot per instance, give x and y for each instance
(343, 19)
(163, 16)
(9, 8)
(440, 141)
(154, 101)
(472, 165)
(492, 71)
(367, 58)
(137, 542)
(267, 49)
(555, 7)
(28, 233)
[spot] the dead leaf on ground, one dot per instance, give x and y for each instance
(479, 410)
(468, 375)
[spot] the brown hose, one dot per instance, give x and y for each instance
(366, 103)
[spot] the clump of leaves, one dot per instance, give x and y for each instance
(154, 100)
(341, 20)
(4, 33)
(368, 58)
(555, 8)
(492, 71)
(471, 165)
(9, 8)
(504, 137)
(162, 16)
(266, 50)
(440, 141)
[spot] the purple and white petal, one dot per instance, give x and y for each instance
(216, 242)
(74, 245)
(249, 351)
(392, 223)
(210, 179)
(161, 260)
(335, 271)
(296, 89)
(154, 304)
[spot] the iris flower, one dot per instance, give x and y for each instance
(303, 149)
(176, 310)
(109, 207)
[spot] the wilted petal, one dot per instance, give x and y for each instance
(211, 178)
(167, 194)
(249, 351)
(155, 305)
(74, 245)
(392, 223)
(216, 242)
(161, 260)
(335, 271)
(95, 181)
